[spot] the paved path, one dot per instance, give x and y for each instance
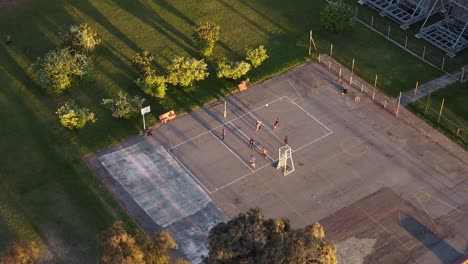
(424, 89)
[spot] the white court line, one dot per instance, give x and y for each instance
(249, 139)
(230, 149)
(294, 87)
(329, 130)
(230, 122)
(312, 142)
(266, 128)
(273, 162)
(191, 174)
(257, 119)
(190, 139)
(238, 179)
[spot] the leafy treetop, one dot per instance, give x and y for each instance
(251, 239)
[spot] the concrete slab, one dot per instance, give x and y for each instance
(157, 182)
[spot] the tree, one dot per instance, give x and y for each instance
(74, 117)
(184, 71)
(119, 247)
(124, 106)
(157, 252)
(337, 16)
(142, 62)
(232, 70)
(251, 239)
(81, 38)
(257, 56)
(20, 252)
(57, 70)
(206, 35)
(154, 85)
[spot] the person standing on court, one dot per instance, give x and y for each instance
(275, 125)
(285, 140)
(259, 125)
(251, 143)
(223, 134)
(264, 151)
(252, 160)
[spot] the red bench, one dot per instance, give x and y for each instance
(243, 85)
(167, 116)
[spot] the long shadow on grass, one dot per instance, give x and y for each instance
(246, 18)
(147, 15)
(88, 8)
(259, 13)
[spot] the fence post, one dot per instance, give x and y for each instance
(388, 32)
(339, 74)
(424, 52)
(428, 100)
(415, 91)
(443, 62)
(372, 22)
(352, 67)
(398, 106)
(319, 57)
(458, 131)
(406, 41)
(331, 50)
(362, 87)
(351, 79)
(441, 108)
(385, 104)
(329, 64)
(463, 74)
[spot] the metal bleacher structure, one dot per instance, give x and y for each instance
(449, 34)
(405, 12)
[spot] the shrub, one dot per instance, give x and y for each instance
(257, 56)
(153, 85)
(232, 70)
(57, 70)
(184, 71)
(206, 34)
(142, 62)
(124, 106)
(82, 38)
(337, 16)
(74, 117)
(20, 252)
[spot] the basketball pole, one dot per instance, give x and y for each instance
(225, 109)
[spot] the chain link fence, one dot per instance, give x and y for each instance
(418, 48)
(451, 125)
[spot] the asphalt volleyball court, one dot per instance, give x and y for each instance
(205, 155)
(381, 187)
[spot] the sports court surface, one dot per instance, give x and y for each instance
(380, 187)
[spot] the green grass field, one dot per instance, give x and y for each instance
(454, 118)
(46, 191)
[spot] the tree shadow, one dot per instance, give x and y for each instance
(246, 18)
(250, 6)
(445, 252)
(150, 17)
(88, 8)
